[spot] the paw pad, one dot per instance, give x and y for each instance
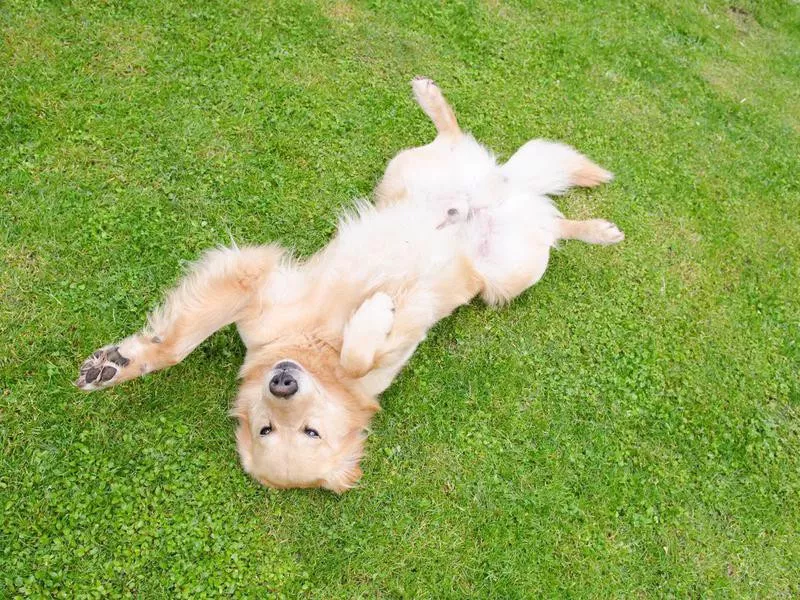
(100, 369)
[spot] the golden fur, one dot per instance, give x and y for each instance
(325, 337)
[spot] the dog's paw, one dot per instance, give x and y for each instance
(102, 369)
(365, 332)
(379, 309)
(605, 232)
(426, 92)
(422, 85)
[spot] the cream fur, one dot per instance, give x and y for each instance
(448, 223)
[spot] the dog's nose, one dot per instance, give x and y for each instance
(282, 384)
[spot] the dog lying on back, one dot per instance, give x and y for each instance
(326, 336)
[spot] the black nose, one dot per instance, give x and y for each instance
(282, 384)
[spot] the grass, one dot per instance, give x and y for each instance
(628, 428)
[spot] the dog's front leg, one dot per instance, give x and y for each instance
(212, 295)
(365, 333)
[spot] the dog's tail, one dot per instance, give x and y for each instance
(545, 167)
(430, 98)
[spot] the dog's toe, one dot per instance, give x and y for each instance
(609, 233)
(426, 90)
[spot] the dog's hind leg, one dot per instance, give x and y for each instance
(544, 167)
(591, 231)
(414, 164)
(432, 101)
(214, 293)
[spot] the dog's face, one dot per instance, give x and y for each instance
(301, 424)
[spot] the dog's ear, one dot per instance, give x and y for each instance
(346, 475)
(348, 472)
(244, 438)
(344, 480)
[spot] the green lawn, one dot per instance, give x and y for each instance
(628, 428)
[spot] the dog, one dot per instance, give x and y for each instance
(326, 336)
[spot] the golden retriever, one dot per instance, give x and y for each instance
(326, 336)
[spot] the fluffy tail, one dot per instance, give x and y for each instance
(544, 167)
(430, 98)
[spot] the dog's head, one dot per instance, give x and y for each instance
(302, 421)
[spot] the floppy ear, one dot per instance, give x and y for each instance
(244, 439)
(343, 481)
(348, 473)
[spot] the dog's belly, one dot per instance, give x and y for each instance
(428, 259)
(397, 250)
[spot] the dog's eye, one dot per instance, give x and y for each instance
(266, 430)
(312, 433)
